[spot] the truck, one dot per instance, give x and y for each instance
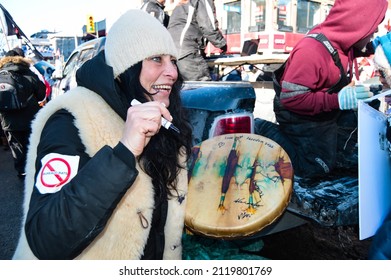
(213, 106)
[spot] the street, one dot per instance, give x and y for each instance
(11, 196)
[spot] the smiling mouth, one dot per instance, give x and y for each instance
(161, 87)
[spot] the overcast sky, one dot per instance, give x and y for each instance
(67, 16)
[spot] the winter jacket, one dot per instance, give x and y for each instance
(192, 23)
(100, 204)
(310, 70)
(317, 135)
(156, 9)
(20, 120)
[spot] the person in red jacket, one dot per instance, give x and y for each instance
(315, 106)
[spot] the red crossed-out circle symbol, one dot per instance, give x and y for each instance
(57, 170)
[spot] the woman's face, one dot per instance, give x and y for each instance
(158, 74)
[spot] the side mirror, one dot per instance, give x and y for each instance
(57, 74)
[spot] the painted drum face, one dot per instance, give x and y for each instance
(239, 184)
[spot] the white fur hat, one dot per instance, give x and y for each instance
(135, 36)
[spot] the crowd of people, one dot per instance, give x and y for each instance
(16, 124)
(102, 173)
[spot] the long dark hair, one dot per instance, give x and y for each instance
(160, 157)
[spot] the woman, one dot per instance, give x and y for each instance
(108, 182)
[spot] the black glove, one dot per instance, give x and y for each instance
(224, 49)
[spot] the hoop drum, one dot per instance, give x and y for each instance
(238, 184)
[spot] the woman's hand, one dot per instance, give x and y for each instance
(142, 122)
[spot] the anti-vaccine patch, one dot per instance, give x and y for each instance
(56, 171)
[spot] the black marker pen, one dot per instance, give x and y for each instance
(165, 123)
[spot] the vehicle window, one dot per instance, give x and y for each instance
(233, 17)
(308, 14)
(257, 15)
(285, 9)
(70, 65)
(86, 55)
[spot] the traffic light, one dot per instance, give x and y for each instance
(90, 24)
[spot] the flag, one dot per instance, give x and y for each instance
(10, 28)
(9, 25)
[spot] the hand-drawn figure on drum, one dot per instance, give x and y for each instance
(253, 186)
(239, 184)
(230, 167)
(195, 154)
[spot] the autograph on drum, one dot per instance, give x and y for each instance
(236, 178)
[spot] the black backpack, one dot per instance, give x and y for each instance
(13, 94)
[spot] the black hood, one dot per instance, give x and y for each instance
(98, 77)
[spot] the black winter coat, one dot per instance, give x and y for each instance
(20, 120)
(56, 136)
